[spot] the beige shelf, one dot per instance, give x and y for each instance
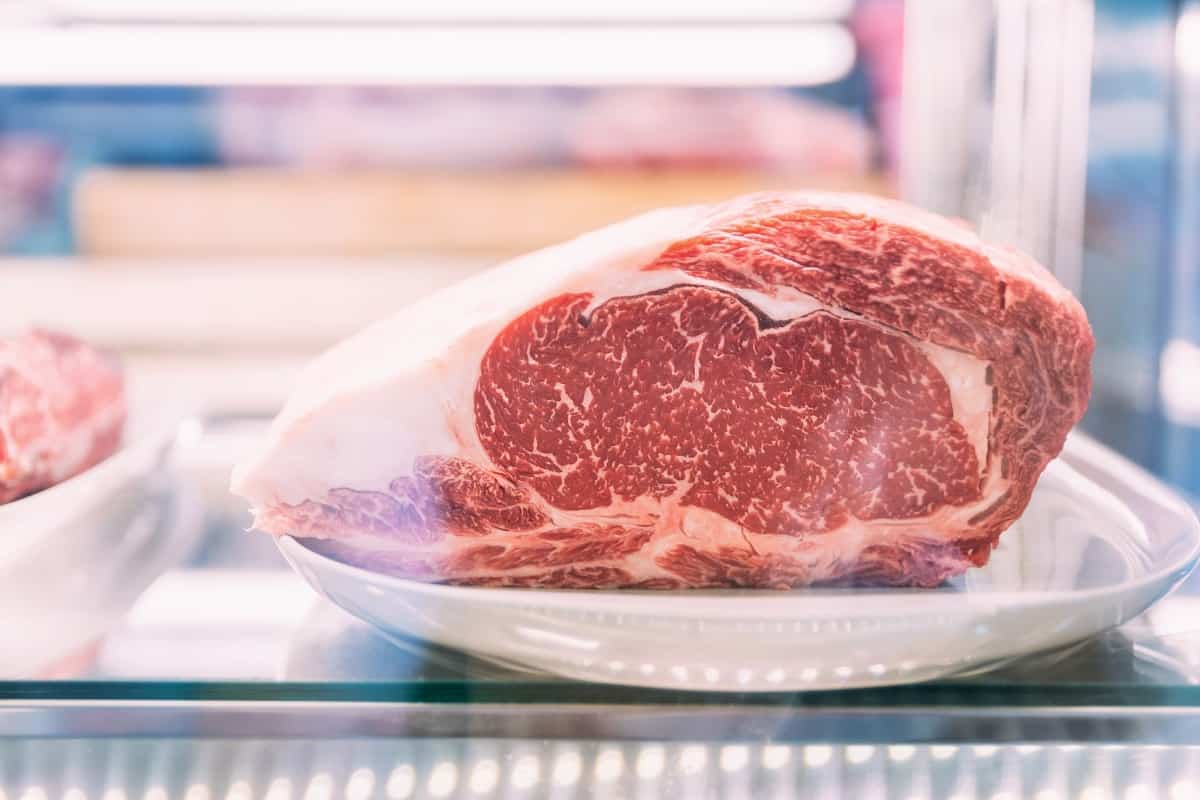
(189, 213)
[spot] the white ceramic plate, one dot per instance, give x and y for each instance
(1100, 542)
(74, 557)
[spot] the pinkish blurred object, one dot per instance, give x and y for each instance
(62, 410)
(749, 129)
(357, 127)
(502, 128)
(742, 128)
(878, 26)
(29, 168)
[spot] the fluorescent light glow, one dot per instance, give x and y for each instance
(568, 768)
(692, 759)
(401, 782)
(943, 752)
(860, 753)
(484, 776)
(526, 772)
(742, 55)
(1179, 381)
(448, 10)
(1187, 41)
(818, 755)
(650, 762)
(609, 766)
(901, 753)
(320, 787)
(443, 779)
(279, 789)
(1139, 791)
(734, 757)
(361, 784)
(775, 756)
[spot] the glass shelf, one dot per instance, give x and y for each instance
(230, 678)
(251, 651)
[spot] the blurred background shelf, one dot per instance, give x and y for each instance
(490, 213)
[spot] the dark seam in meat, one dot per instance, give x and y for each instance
(765, 321)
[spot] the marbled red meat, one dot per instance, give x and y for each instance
(782, 390)
(62, 410)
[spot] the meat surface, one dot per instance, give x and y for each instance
(782, 390)
(62, 410)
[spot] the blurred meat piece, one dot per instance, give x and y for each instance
(749, 129)
(62, 410)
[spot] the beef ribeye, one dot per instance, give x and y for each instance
(781, 390)
(62, 410)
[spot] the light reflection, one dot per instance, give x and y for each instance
(320, 787)
(901, 753)
(361, 784)
(809, 674)
(1139, 791)
(877, 669)
(943, 751)
(116, 793)
(73, 793)
(1048, 794)
(568, 768)
(238, 790)
(843, 672)
(197, 791)
(34, 793)
(484, 776)
(679, 673)
(1094, 793)
(776, 676)
(860, 754)
(443, 779)
(650, 762)
(280, 789)
(744, 675)
(526, 772)
(1027, 749)
(609, 765)
(734, 757)
(984, 750)
(692, 759)
(1183, 790)
(647, 669)
(401, 782)
(775, 756)
(817, 755)
(712, 674)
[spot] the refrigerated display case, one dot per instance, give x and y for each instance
(222, 258)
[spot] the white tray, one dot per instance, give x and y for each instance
(74, 557)
(1100, 542)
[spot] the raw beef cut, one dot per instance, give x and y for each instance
(62, 410)
(782, 390)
